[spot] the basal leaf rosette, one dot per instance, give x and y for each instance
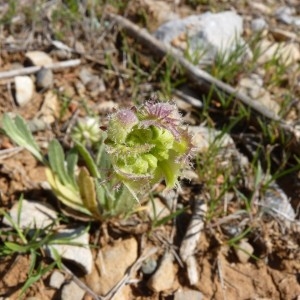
(148, 144)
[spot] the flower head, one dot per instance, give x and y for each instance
(148, 144)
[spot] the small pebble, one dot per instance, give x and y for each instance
(244, 251)
(24, 90)
(78, 254)
(258, 24)
(33, 214)
(85, 75)
(71, 291)
(38, 58)
(149, 266)
(188, 295)
(44, 78)
(56, 280)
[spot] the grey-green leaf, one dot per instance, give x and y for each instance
(18, 131)
(57, 162)
(72, 159)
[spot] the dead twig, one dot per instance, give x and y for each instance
(191, 238)
(32, 70)
(6, 153)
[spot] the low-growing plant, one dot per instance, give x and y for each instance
(33, 242)
(141, 147)
(228, 65)
(23, 240)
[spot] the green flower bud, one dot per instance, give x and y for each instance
(120, 125)
(86, 131)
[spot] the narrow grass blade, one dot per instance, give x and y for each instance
(34, 278)
(16, 247)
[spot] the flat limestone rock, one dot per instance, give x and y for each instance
(56, 279)
(286, 53)
(203, 137)
(32, 215)
(188, 295)
(39, 58)
(253, 87)
(205, 35)
(79, 253)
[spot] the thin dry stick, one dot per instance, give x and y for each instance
(201, 78)
(220, 272)
(32, 70)
(6, 153)
(191, 239)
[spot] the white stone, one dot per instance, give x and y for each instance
(206, 35)
(32, 215)
(79, 254)
(287, 53)
(252, 86)
(164, 277)
(72, 291)
(24, 89)
(56, 279)
(39, 58)
(244, 251)
(285, 15)
(188, 295)
(258, 24)
(203, 137)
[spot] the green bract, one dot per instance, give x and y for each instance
(148, 144)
